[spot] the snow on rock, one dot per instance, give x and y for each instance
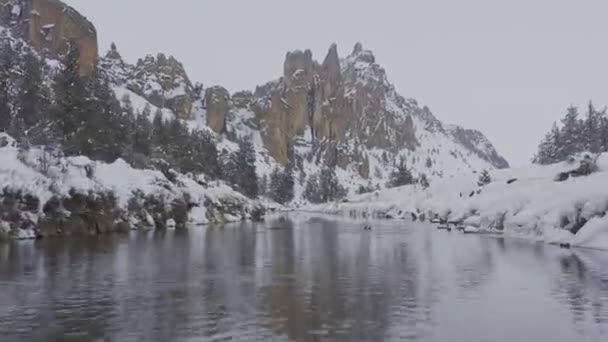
(533, 206)
(46, 174)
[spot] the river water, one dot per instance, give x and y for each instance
(316, 279)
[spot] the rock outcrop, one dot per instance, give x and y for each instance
(217, 102)
(163, 81)
(346, 108)
(340, 102)
(477, 143)
(50, 25)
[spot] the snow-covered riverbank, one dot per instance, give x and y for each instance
(525, 202)
(39, 186)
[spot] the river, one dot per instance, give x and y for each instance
(315, 279)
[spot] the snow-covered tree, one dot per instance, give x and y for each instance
(312, 192)
(282, 184)
(7, 61)
(244, 160)
(484, 178)
(329, 185)
(571, 137)
(549, 150)
(33, 97)
(400, 176)
(263, 185)
(591, 130)
(423, 181)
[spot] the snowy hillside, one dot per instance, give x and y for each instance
(525, 202)
(381, 133)
(140, 198)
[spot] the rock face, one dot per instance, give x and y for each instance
(217, 102)
(339, 102)
(476, 142)
(161, 80)
(50, 25)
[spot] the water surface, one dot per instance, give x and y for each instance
(319, 279)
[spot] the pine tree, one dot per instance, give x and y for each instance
(329, 186)
(282, 184)
(312, 192)
(604, 131)
(245, 164)
(591, 130)
(205, 153)
(484, 178)
(571, 135)
(33, 96)
(549, 150)
(263, 185)
(7, 62)
(400, 176)
(142, 137)
(71, 96)
(160, 136)
(274, 189)
(288, 182)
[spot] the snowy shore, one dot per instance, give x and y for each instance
(523, 202)
(32, 180)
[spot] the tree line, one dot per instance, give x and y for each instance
(574, 135)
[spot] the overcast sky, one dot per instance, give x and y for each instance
(507, 68)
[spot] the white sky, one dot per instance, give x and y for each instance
(508, 68)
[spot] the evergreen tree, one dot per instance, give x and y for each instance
(484, 178)
(263, 185)
(312, 192)
(400, 176)
(549, 150)
(591, 130)
(604, 131)
(282, 184)
(142, 135)
(33, 96)
(274, 188)
(571, 135)
(160, 136)
(245, 164)
(7, 63)
(71, 96)
(329, 187)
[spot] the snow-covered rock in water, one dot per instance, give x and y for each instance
(26, 234)
(171, 224)
(471, 230)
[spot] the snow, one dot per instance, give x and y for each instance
(26, 234)
(22, 170)
(534, 206)
(16, 10)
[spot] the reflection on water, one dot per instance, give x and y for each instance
(316, 279)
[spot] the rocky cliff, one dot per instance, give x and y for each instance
(342, 110)
(49, 25)
(160, 79)
(346, 109)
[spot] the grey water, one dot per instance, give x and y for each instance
(315, 279)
